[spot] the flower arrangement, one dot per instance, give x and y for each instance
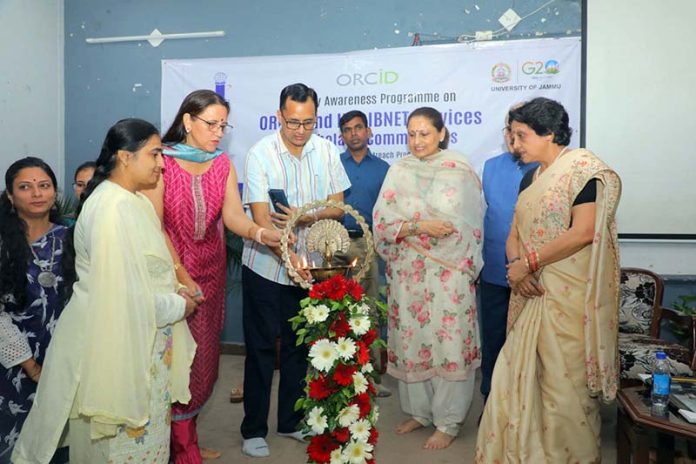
(339, 324)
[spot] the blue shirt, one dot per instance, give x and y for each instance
(315, 175)
(501, 183)
(366, 180)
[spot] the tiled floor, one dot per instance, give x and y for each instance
(219, 429)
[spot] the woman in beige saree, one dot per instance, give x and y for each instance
(560, 357)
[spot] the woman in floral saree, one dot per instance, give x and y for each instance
(427, 223)
(560, 357)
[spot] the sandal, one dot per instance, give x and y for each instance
(237, 395)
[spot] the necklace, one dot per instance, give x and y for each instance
(538, 170)
(46, 278)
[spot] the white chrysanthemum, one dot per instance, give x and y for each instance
(348, 415)
(359, 383)
(317, 420)
(362, 308)
(375, 414)
(323, 354)
(321, 312)
(360, 431)
(337, 457)
(360, 325)
(310, 314)
(367, 368)
(357, 452)
(345, 348)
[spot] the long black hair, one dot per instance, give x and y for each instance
(127, 134)
(194, 104)
(15, 251)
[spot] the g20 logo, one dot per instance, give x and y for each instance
(540, 68)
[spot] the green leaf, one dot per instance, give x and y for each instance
(299, 403)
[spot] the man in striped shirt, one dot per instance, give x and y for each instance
(308, 168)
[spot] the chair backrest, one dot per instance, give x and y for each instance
(640, 296)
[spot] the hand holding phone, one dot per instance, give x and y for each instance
(278, 196)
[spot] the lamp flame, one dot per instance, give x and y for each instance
(354, 262)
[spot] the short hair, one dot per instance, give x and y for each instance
(300, 93)
(544, 116)
(83, 166)
(351, 115)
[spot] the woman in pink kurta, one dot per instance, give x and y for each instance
(196, 198)
(427, 226)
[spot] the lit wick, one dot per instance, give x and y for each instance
(354, 262)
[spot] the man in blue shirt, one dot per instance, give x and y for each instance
(366, 173)
(501, 183)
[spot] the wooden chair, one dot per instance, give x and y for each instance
(640, 321)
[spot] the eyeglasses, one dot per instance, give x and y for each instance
(214, 125)
(294, 124)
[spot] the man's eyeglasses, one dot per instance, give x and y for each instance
(294, 124)
(214, 125)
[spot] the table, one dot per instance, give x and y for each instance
(635, 424)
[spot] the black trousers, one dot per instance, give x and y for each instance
(494, 309)
(267, 308)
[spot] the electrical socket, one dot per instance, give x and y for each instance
(509, 19)
(484, 35)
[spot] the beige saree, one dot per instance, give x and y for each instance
(561, 352)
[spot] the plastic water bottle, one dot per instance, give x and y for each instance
(661, 381)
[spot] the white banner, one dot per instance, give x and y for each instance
(473, 85)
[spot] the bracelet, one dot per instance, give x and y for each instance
(413, 228)
(533, 261)
(259, 235)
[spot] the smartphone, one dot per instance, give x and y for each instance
(278, 196)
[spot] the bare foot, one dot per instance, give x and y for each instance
(438, 440)
(408, 426)
(207, 453)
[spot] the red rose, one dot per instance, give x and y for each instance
(374, 434)
(370, 337)
(320, 448)
(362, 401)
(336, 287)
(344, 374)
(342, 435)
(362, 353)
(320, 388)
(340, 326)
(355, 290)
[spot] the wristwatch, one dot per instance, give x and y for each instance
(413, 228)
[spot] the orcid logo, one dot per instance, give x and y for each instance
(501, 72)
(380, 77)
(541, 68)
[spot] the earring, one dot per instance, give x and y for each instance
(188, 130)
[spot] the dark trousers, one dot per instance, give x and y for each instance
(267, 308)
(494, 309)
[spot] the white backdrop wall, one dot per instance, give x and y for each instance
(31, 83)
(641, 114)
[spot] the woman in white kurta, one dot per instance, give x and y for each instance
(120, 354)
(427, 225)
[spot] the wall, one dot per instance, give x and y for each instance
(31, 82)
(108, 82)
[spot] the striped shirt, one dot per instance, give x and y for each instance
(314, 176)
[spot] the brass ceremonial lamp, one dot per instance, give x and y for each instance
(327, 237)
